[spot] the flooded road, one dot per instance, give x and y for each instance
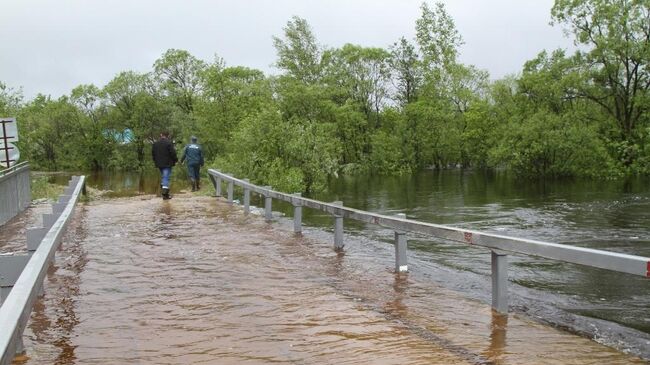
(194, 281)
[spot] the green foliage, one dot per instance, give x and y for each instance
(289, 155)
(298, 52)
(407, 72)
(180, 77)
(353, 109)
(614, 59)
(390, 147)
(437, 36)
(547, 145)
(42, 189)
(10, 100)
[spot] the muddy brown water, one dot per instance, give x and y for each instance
(194, 281)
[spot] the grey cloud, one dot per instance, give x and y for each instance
(53, 46)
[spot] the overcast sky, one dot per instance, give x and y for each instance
(51, 46)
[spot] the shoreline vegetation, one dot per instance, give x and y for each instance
(42, 189)
(395, 110)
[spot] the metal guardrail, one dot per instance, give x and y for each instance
(498, 244)
(21, 276)
(15, 191)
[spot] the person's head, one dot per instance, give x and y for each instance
(164, 134)
(193, 139)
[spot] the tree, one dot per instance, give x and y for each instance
(232, 94)
(10, 100)
(289, 155)
(298, 52)
(121, 91)
(50, 136)
(363, 73)
(180, 75)
(437, 37)
(138, 113)
(406, 67)
(615, 56)
(88, 100)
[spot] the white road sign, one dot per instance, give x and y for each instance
(9, 153)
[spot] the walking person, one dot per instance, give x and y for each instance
(164, 156)
(194, 157)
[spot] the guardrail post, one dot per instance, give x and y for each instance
(400, 248)
(20, 347)
(247, 198)
(297, 214)
(34, 237)
(500, 282)
(217, 186)
(68, 190)
(48, 220)
(58, 208)
(11, 266)
(230, 191)
(338, 228)
(216, 182)
(268, 201)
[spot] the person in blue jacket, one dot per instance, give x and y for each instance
(194, 157)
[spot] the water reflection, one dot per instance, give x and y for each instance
(124, 183)
(498, 330)
(397, 306)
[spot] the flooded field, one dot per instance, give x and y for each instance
(194, 281)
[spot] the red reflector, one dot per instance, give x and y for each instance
(647, 274)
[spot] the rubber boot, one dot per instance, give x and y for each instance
(198, 184)
(165, 194)
(193, 185)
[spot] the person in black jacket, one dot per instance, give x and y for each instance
(164, 156)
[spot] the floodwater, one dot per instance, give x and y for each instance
(194, 281)
(124, 184)
(607, 215)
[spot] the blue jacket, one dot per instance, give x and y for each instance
(193, 154)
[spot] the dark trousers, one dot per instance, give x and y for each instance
(193, 171)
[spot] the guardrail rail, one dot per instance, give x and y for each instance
(15, 191)
(498, 244)
(21, 275)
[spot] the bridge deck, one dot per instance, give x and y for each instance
(192, 280)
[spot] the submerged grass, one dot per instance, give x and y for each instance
(43, 189)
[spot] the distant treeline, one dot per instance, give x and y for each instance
(410, 106)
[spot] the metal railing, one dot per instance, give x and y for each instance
(21, 275)
(15, 191)
(498, 244)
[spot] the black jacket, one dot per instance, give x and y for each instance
(163, 153)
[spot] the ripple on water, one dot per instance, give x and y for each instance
(233, 290)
